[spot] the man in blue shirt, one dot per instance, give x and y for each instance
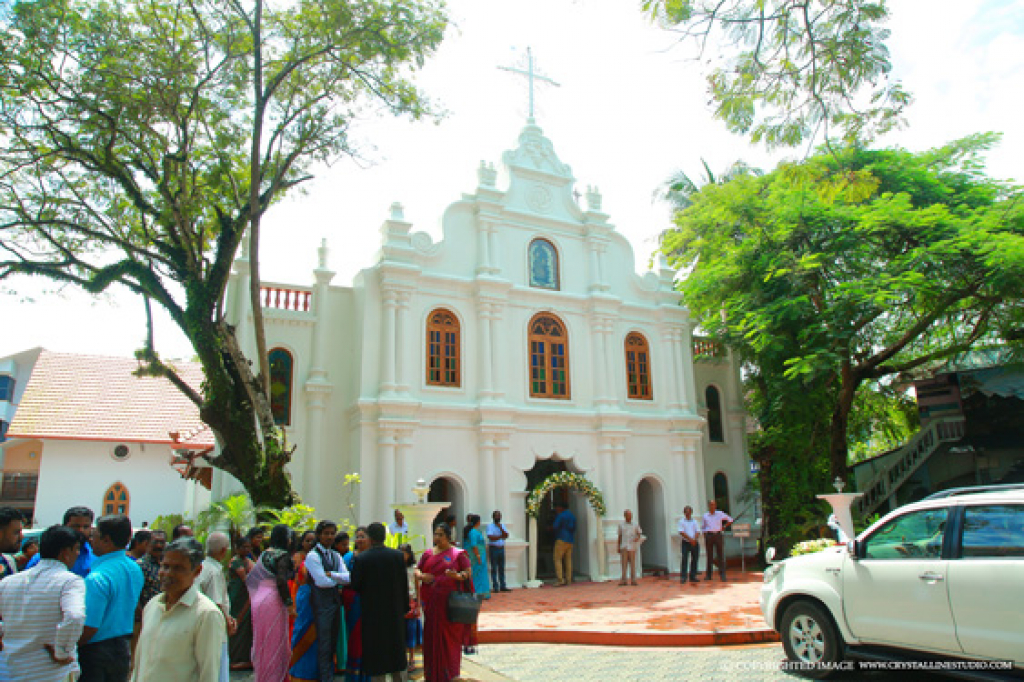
(565, 534)
(78, 519)
(111, 593)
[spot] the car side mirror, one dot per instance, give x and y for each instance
(853, 548)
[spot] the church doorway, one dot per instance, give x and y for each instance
(446, 489)
(650, 515)
(575, 503)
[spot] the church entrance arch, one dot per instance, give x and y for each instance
(650, 514)
(448, 489)
(541, 470)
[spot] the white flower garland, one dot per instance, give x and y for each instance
(565, 479)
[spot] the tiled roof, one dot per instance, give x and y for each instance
(91, 397)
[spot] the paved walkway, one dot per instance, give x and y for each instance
(657, 612)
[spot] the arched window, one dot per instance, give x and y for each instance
(543, 264)
(549, 358)
(714, 403)
(443, 363)
(115, 500)
(281, 386)
(721, 487)
(638, 367)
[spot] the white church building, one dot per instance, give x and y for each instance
(521, 344)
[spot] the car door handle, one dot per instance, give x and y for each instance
(933, 577)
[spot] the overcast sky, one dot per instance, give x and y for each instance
(631, 108)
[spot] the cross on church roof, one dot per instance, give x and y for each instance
(531, 77)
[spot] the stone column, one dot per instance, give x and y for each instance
(672, 361)
(686, 343)
(388, 324)
(385, 470)
(600, 327)
(497, 376)
(486, 473)
(403, 466)
(318, 388)
(401, 313)
(501, 473)
(486, 352)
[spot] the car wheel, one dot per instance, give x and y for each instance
(810, 638)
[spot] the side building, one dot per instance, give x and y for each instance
(519, 345)
(85, 431)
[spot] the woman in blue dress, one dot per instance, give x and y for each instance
(476, 547)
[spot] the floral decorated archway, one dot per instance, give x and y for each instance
(562, 479)
(565, 479)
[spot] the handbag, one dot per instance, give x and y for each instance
(463, 607)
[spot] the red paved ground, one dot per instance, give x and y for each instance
(658, 612)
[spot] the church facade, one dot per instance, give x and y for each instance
(520, 344)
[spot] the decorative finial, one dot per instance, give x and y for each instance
(322, 253)
(486, 174)
(397, 211)
(839, 484)
(593, 198)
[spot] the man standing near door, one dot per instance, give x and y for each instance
(715, 521)
(565, 534)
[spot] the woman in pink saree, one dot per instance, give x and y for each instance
(441, 571)
(271, 605)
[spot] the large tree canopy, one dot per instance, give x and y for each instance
(793, 70)
(844, 270)
(142, 139)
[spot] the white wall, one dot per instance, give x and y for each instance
(76, 473)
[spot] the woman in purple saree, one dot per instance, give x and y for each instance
(441, 571)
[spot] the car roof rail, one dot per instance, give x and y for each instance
(970, 490)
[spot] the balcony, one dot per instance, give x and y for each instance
(297, 299)
(19, 488)
(706, 349)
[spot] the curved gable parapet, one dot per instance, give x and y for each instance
(539, 183)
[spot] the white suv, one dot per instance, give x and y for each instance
(942, 576)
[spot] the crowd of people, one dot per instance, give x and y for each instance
(101, 603)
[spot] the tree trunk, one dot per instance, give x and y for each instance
(838, 448)
(238, 412)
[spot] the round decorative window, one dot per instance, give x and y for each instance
(121, 452)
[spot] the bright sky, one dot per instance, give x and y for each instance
(631, 108)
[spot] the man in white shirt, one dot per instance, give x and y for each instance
(212, 583)
(43, 612)
(689, 531)
(497, 533)
(183, 633)
(326, 572)
(629, 542)
(398, 525)
(715, 522)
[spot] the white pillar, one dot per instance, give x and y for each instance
(486, 473)
(403, 466)
(386, 471)
(401, 320)
(600, 333)
(486, 353)
(686, 343)
(388, 335)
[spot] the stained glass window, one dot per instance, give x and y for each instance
(549, 358)
(115, 500)
(281, 386)
(543, 264)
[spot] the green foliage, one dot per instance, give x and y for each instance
(794, 71)
(298, 517)
(237, 512)
(141, 140)
(843, 272)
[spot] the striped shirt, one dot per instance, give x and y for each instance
(43, 605)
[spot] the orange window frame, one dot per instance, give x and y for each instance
(444, 361)
(549, 358)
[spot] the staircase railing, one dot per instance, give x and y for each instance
(905, 461)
